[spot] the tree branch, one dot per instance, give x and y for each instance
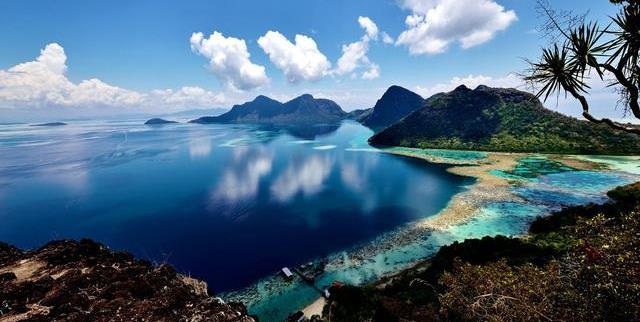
(551, 17)
(591, 118)
(632, 89)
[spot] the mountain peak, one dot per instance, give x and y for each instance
(501, 119)
(262, 98)
(395, 89)
(461, 88)
(396, 103)
(305, 97)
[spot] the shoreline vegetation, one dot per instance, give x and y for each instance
(576, 264)
(487, 188)
(34, 282)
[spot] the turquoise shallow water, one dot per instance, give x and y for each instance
(628, 164)
(532, 167)
(230, 204)
(233, 204)
(452, 155)
(544, 185)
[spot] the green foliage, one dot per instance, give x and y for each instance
(578, 264)
(597, 279)
(628, 194)
(491, 119)
(580, 48)
(556, 242)
(626, 198)
(556, 71)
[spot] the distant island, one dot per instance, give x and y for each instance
(195, 113)
(501, 120)
(483, 119)
(51, 124)
(158, 121)
(396, 103)
(304, 109)
(358, 114)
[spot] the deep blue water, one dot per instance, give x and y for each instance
(227, 203)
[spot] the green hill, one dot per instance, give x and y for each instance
(304, 109)
(498, 119)
(396, 103)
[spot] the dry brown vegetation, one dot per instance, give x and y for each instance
(580, 264)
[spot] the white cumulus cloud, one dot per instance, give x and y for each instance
(472, 81)
(189, 96)
(354, 55)
(387, 39)
(43, 83)
(229, 59)
(301, 60)
(372, 73)
(435, 24)
(369, 26)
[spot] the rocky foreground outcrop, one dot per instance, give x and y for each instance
(85, 281)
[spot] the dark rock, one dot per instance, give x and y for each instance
(8, 253)
(8, 276)
(93, 283)
(296, 317)
(158, 121)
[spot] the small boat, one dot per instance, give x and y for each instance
(287, 272)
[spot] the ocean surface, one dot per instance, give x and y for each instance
(542, 185)
(230, 204)
(233, 204)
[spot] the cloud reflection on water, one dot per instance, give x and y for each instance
(242, 178)
(199, 146)
(306, 177)
(355, 173)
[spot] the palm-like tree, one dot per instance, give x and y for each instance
(584, 49)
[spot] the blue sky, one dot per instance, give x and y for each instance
(143, 46)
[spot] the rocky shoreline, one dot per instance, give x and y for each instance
(488, 188)
(72, 281)
(86, 281)
(571, 266)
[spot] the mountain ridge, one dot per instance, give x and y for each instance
(396, 103)
(304, 109)
(500, 119)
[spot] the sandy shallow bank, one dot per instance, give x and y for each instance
(314, 308)
(496, 202)
(488, 187)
